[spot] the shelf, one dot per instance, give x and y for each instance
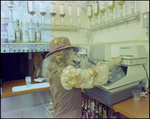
(24, 47)
(50, 26)
(61, 28)
(117, 21)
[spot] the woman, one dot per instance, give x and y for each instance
(37, 62)
(66, 82)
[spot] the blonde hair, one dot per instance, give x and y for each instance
(54, 64)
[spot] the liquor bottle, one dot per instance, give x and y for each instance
(102, 5)
(105, 111)
(79, 15)
(25, 34)
(53, 11)
(83, 106)
(115, 115)
(31, 10)
(121, 7)
(96, 109)
(37, 33)
(85, 109)
(70, 11)
(89, 109)
(89, 12)
(11, 33)
(96, 9)
(10, 6)
(51, 105)
(100, 110)
(62, 13)
(18, 33)
(132, 3)
(4, 33)
(43, 12)
(92, 108)
(111, 6)
(31, 33)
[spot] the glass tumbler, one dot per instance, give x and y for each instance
(28, 80)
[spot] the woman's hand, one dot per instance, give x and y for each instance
(114, 62)
(118, 59)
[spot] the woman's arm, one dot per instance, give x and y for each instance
(90, 78)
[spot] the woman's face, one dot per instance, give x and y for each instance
(70, 60)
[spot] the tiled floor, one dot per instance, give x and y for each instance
(32, 112)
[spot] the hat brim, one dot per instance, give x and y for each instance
(74, 48)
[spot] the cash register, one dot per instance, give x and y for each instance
(124, 77)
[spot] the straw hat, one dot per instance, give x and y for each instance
(59, 43)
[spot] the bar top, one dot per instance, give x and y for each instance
(127, 107)
(7, 88)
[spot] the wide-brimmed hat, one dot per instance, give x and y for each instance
(59, 43)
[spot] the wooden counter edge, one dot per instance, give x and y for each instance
(3, 95)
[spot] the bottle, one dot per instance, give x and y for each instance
(89, 12)
(70, 11)
(11, 33)
(100, 110)
(115, 115)
(132, 3)
(92, 108)
(10, 4)
(51, 105)
(25, 34)
(111, 6)
(43, 12)
(37, 33)
(96, 9)
(79, 15)
(30, 7)
(4, 33)
(121, 4)
(31, 33)
(18, 33)
(121, 7)
(96, 109)
(105, 112)
(82, 106)
(89, 109)
(53, 11)
(85, 107)
(102, 5)
(62, 13)
(31, 10)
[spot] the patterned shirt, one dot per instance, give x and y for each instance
(78, 78)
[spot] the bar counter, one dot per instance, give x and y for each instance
(7, 88)
(127, 107)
